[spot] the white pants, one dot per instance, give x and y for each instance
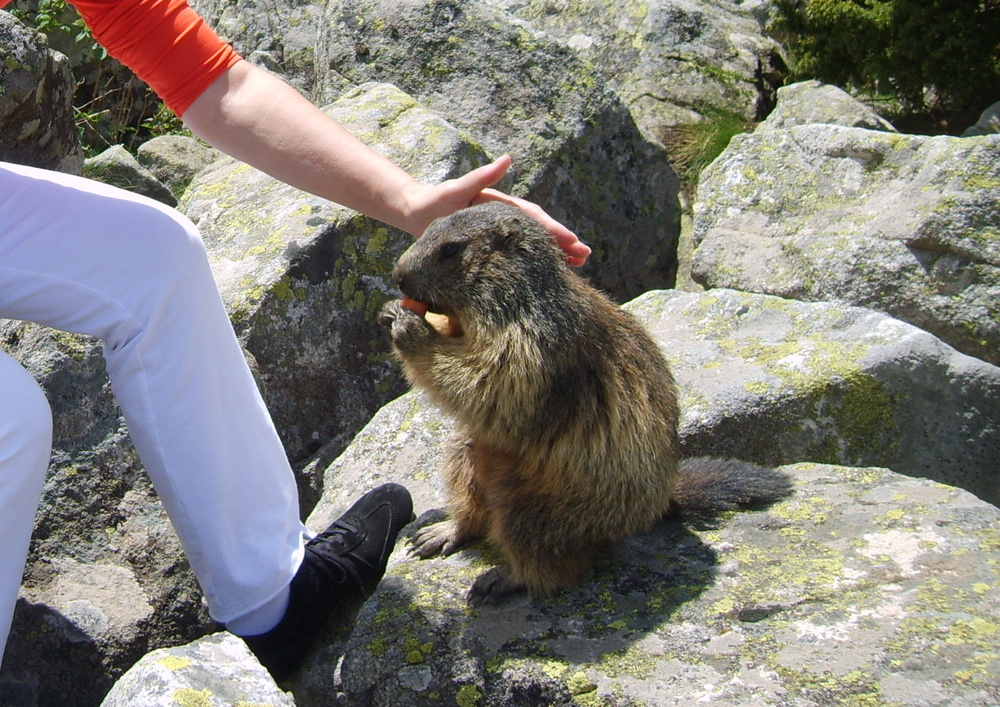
(90, 259)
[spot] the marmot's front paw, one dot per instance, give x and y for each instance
(494, 586)
(406, 327)
(442, 538)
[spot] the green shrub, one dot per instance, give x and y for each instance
(937, 59)
(694, 146)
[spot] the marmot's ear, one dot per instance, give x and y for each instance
(508, 232)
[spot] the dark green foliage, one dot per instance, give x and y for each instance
(938, 59)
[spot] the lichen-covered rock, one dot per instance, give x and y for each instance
(278, 35)
(36, 111)
(175, 159)
(671, 61)
(576, 149)
(903, 224)
(106, 579)
(116, 166)
(215, 671)
(812, 102)
(865, 587)
(779, 381)
(305, 279)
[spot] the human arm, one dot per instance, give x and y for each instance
(259, 119)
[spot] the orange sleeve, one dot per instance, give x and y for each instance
(166, 43)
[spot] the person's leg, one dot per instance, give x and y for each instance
(91, 259)
(25, 442)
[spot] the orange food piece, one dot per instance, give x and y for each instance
(412, 304)
(445, 325)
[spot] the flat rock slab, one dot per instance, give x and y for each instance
(865, 587)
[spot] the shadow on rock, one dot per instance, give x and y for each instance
(56, 662)
(417, 642)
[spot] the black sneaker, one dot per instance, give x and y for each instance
(342, 567)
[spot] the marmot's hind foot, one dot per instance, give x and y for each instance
(442, 538)
(492, 587)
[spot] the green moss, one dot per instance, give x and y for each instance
(632, 661)
(192, 698)
(867, 419)
(579, 684)
(468, 696)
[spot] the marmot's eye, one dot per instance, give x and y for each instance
(450, 250)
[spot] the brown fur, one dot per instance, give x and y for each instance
(567, 410)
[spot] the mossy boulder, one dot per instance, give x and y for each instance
(903, 224)
(119, 168)
(175, 160)
(778, 381)
(279, 36)
(575, 146)
(812, 102)
(36, 110)
(671, 61)
(304, 279)
(865, 587)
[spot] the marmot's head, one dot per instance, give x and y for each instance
(491, 263)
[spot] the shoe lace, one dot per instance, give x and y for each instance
(328, 547)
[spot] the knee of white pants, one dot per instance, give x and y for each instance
(173, 252)
(167, 278)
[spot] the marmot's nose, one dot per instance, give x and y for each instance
(399, 277)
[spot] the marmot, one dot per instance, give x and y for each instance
(567, 411)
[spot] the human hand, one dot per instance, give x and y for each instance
(474, 188)
(575, 250)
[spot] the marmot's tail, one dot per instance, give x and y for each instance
(707, 487)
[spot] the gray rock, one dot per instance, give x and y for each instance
(217, 671)
(576, 149)
(305, 279)
(36, 111)
(903, 224)
(671, 61)
(988, 123)
(286, 32)
(864, 583)
(106, 579)
(175, 159)
(779, 381)
(811, 102)
(117, 166)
